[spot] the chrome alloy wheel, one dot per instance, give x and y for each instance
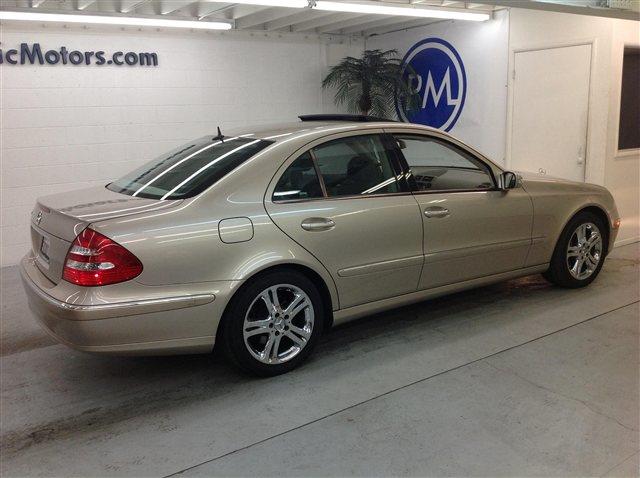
(584, 251)
(278, 324)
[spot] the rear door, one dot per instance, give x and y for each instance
(471, 229)
(341, 199)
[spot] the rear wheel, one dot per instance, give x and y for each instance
(273, 324)
(579, 253)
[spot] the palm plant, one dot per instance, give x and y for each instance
(369, 85)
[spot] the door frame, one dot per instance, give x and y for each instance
(590, 175)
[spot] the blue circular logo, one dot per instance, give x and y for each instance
(440, 81)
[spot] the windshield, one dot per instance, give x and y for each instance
(190, 169)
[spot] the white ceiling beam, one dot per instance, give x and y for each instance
(82, 4)
(577, 8)
(241, 11)
(419, 22)
(450, 3)
(264, 16)
(290, 20)
(323, 21)
(127, 6)
(168, 6)
(375, 24)
(229, 12)
(357, 20)
(429, 3)
(205, 9)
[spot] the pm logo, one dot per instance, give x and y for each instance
(439, 79)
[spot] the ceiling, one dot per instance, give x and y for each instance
(305, 20)
(252, 17)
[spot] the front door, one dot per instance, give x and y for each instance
(342, 202)
(471, 229)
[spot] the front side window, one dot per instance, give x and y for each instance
(190, 169)
(356, 165)
(439, 166)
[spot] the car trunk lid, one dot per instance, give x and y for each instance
(57, 220)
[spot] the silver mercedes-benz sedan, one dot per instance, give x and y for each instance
(260, 240)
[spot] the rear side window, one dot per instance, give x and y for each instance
(299, 181)
(356, 165)
(189, 169)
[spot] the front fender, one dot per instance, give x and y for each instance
(555, 202)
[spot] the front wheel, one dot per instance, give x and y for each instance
(273, 324)
(580, 252)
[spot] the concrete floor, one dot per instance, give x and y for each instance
(518, 378)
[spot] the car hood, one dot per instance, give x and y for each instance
(531, 176)
(536, 178)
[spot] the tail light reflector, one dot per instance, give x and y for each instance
(95, 260)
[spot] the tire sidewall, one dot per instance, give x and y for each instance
(559, 270)
(233, 322)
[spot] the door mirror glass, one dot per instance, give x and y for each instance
(509, 180)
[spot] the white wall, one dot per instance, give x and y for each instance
(622, 169)
(67, 127)
(619, 173)
(487, 50)
(483, 49)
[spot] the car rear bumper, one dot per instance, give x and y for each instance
(165, 320)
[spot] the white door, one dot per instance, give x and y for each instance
(550, 111)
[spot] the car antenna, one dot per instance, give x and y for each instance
(220, 136)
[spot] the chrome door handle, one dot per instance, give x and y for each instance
(317, 224)
(436, 212)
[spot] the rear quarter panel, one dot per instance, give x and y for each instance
(555, 202)
(183, 245)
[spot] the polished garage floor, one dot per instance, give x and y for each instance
(519, 378)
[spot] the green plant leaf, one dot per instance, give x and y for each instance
(369, 85)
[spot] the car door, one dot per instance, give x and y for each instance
(341, 199)
(471, 228)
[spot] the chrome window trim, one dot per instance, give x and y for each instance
(341, 198)
(314, 160)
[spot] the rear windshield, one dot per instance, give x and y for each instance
(189, 169)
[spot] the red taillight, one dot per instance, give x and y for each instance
(94, 260)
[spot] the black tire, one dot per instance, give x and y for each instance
(558, 272)
(233, 323)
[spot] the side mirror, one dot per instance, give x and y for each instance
(508, 180)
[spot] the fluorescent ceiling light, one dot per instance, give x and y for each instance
(114, 20)
(399, 11)
(274, 3)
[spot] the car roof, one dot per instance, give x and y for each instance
(278, 132)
